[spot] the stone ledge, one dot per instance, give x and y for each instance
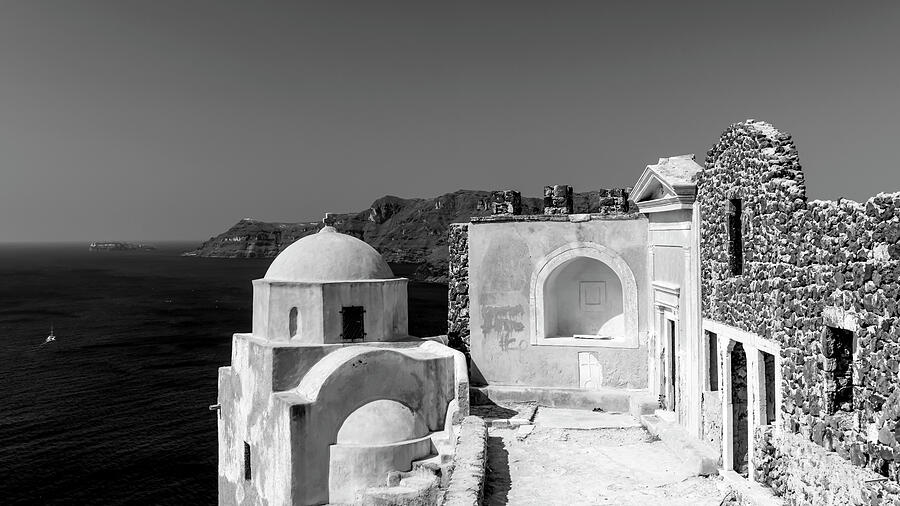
(697, 457)
(466, 487)
(635, 402)
(574, 218)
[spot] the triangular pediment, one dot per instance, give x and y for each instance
(655, 190)
(652, 187)
(667, 185)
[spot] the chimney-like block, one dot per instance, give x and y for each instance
(613, 201)
(558, 199)
(506, 202)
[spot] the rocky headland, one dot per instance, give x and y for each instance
(405, 231)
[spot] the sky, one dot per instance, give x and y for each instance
(172, 120)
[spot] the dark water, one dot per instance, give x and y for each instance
(115, 411)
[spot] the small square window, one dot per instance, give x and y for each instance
(353, 323)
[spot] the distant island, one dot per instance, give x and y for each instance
(405, 231)
(118, 246)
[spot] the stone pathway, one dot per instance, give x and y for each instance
(581, 457)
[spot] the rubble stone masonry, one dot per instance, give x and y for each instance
(804, 267)
(506, 202)
(458, 287)
(558, 199)
(612, 200)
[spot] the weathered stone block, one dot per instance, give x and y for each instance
(558, 199)
(506, 202)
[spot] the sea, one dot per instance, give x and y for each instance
(115, 411)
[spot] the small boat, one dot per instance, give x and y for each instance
(51, 337)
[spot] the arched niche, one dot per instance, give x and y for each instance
(381, 422)
(584, 294)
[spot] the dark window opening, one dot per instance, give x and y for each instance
(735, 238)
(353, 323)
(712, 348)
(837, 347)
(672, 372)
(769, 366)
(292, 322)
(246, 460)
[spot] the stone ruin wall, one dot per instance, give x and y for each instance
(805, 473)
(804, 261)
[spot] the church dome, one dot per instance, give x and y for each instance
(328, 256)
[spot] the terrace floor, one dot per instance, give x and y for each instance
(582, 457)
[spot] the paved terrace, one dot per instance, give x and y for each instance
(581, 457)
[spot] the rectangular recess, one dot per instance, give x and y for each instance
(592, 295)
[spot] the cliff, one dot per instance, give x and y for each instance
(408, 231)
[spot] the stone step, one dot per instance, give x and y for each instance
(416, 488)
(613, 400)
(432, 463)
(435, 465)
(698, 458)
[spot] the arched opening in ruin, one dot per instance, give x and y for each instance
(584, 294)
(739, 414)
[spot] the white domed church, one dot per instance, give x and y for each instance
(328, 393)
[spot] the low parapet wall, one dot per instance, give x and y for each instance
(466, 487)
